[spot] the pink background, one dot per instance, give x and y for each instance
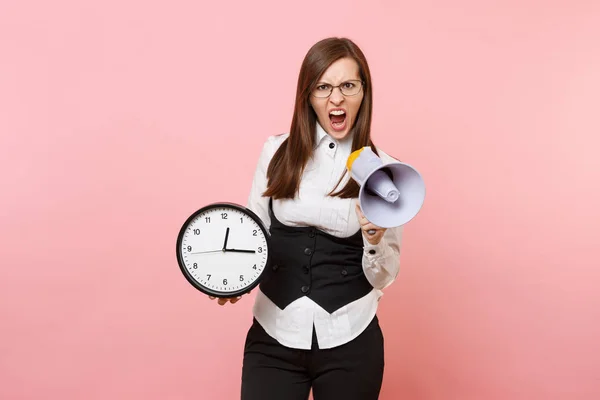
(120, 118)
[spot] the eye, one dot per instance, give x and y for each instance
(348, 85)
(323, 87)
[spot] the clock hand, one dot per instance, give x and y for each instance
(241, 251)
(226, 236)
(210, 251)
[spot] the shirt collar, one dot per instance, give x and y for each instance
(320, 135)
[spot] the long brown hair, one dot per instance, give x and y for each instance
(288, 162)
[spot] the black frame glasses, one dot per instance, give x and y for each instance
(358, 82)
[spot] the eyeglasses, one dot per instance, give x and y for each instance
(348, 88)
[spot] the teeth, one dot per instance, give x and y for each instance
(338, 112)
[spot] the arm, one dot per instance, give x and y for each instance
(381, 255)
(381, 261)
(256, 201)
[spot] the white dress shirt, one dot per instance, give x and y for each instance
(292, 326)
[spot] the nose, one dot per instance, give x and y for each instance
(336, 96)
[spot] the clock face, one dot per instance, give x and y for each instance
(222, 249)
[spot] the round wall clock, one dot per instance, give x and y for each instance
(223, 249)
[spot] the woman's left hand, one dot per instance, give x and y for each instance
(372, 232)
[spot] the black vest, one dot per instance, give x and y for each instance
(306, 261)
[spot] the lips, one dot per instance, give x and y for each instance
(337, 118)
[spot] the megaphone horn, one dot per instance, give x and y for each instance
(390, 194)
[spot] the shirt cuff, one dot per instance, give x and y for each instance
(374, 251)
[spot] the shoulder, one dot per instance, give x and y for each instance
(270, 146)
(272, 143)
(275, 141)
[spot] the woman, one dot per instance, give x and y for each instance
(315, 323)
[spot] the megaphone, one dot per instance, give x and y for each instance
(390, 194)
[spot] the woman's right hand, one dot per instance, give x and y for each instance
(223, 300)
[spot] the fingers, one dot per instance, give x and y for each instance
(372, 232)
(363, 220)
(223, 300)
(371, 229)
(365, 225)
(359, 212)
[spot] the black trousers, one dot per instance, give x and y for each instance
(353, 371)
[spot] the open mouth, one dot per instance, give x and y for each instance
(338, 119)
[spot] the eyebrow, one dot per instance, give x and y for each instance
(345, 80)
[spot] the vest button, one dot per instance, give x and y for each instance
(344, 272)
(311, 234)
(275, 267)
(305, 268)
(305, 289)
(307, 251)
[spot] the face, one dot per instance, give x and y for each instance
(338, 113)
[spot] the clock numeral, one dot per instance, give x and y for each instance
(254, 232)
(196, 231)
(195, 266)
(189, 248)
(260, 249)
(208, 277)
(241, 220)
(223, 215)
(241, 278)
(207, 219)
(254, 266)
(224, 281)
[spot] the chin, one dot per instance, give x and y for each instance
(339, 135)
